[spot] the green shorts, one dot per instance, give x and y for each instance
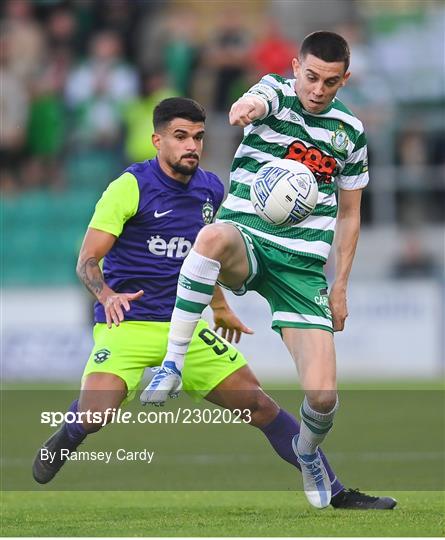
(126, 350)
(294, 285)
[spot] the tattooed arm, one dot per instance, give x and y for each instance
(95, 246)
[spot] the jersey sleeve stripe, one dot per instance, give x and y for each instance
(353, 182)
(352, 169)
(358, 155)
(279, 84)
(274, 101)
(360, 142)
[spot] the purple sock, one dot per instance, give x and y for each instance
(280, 433)
(75, 430)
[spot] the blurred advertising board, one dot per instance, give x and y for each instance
(395, 330)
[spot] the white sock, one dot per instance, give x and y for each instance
(195, 291)
(314, 427)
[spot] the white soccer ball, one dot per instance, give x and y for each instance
(284, 192)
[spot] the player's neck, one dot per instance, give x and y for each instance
(171, 173)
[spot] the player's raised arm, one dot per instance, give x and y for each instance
(261, 100)
(247, 109)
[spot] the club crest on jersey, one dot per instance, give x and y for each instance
(207, 212)
(101, 355)
(339, 138)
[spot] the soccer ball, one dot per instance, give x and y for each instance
(284, 192)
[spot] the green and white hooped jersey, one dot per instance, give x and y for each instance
(331, 144)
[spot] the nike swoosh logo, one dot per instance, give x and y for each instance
(234, 357)
(160, 214)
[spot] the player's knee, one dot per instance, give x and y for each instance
(213, 240)
(322, 400)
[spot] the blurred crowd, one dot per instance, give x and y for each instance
(80, 80)
(68, 87)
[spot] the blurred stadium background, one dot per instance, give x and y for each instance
(79, 82)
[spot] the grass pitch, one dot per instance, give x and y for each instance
(206, 479)
(256, 513)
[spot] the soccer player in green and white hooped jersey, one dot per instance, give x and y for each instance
(298, 119)
(331, 144)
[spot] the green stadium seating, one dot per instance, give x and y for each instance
(42, 233)
(92, 169)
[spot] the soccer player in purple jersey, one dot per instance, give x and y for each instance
(143, 227)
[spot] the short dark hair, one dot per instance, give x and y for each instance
(177, 107)
(327, 46)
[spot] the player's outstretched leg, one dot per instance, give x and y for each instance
(101, 393)
(242, 391)
(54, 452)
(218, 248)
(195, 291)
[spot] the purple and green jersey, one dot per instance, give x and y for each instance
(156, 220)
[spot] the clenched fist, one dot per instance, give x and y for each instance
(245, 111)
